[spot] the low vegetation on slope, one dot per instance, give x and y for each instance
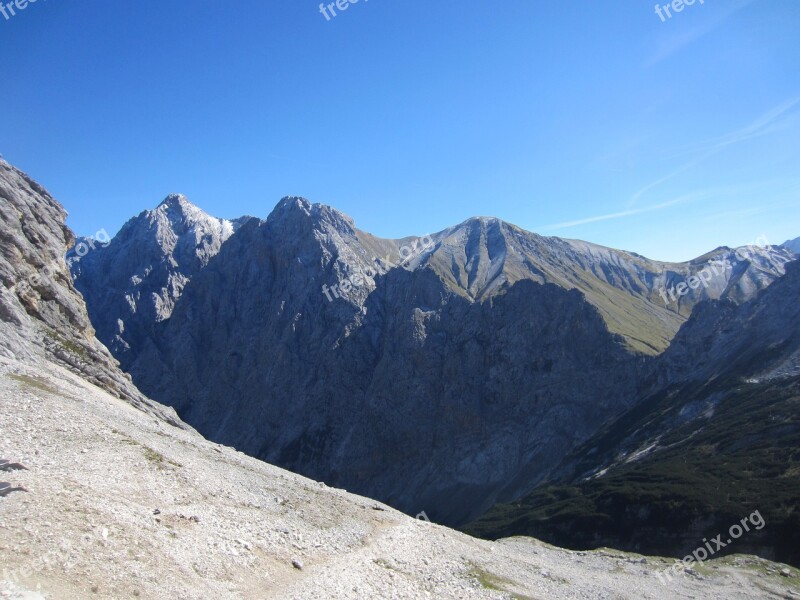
(730, 448)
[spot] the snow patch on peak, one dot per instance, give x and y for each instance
(178, 209)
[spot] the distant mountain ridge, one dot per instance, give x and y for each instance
(443, 383)
(793, 246)
(183, 238)
(717, 434)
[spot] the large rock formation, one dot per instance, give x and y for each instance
(145, 270)
(42, 316)
(441, 373)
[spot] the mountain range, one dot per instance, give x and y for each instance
(450, 372)
(113, 495)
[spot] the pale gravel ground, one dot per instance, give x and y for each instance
(230, 526)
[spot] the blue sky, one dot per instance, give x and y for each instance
(583, 119)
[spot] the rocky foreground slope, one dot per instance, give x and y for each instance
(120, 504)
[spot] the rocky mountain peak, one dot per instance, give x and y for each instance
(148, 263)
(175, 201)
(176, 216)
(295, 212)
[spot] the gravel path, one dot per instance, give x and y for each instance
(122, 505)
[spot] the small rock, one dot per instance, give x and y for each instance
(691, 572)
(786, 573)
(297, 564)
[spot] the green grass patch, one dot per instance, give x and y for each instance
(495, 583)
(150, 454)
(68, 345)
(33, 382)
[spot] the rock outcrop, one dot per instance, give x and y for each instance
(42, 316)
(132, 284)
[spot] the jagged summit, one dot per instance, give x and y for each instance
(177, 212)
(174, 200)
(148, 263)
(320, 216)
(482, 220)
(294, 203)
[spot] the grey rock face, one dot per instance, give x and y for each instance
(413, 395)
(715, 436)
(444, 376)
(642, 300)
(42, 316)
(723, 347)
(134, 281)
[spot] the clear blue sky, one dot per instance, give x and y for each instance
(583, 119)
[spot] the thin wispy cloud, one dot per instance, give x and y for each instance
(779, 118)
(620, 214)
(635, 198)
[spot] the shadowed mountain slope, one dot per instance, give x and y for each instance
(718, 438)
